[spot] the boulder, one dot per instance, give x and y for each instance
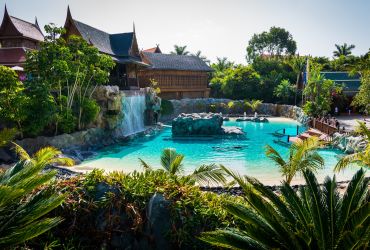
(202, 124)
(195, 124)
(159, 221)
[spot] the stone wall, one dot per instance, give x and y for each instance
(221, 105)
(109, 99)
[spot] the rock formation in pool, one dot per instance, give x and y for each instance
(203, 124)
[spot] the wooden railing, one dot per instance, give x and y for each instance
(323, 127)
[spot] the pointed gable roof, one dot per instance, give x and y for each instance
(117, 45)
(153, 50)
(22, 28)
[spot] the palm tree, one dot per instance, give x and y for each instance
(284, 90)
(253, 104)
(180, 50)
(313, 218)
(171, 162)
(361, 158)
(302, 155)
(343, 50)
(200, 56)
(23, 201)
(298, 64)
(222, 64)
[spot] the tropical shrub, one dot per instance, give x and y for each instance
(23, 200)
(302, 156)
(91, 110)
(285, 91)
(241, 82)
(171, 162)
(102, 208)
(13, 102)
(319, 93)
(313, 218)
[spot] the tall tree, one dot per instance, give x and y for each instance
(362, 98)
(222, 64)
(298, 64)
(180, 50)
(199, 55)
(343, 50)
(276, 42)
(73, 68)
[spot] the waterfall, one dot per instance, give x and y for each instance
(133, 108)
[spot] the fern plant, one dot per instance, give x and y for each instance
(23, 200)
(312, 218)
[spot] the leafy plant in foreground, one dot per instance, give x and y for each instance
(302, 155)
(312, 218)
(171, 162)
(23, 201)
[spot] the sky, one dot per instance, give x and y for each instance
(219, 28)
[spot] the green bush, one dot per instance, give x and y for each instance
(166, 107)
(99, 205)
(90, 111)
(67, 121)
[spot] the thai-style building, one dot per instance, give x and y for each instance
(177, 76)
(16, 38)
(122, 47)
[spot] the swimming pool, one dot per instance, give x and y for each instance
(247, 156)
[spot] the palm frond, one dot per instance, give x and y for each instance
(145, 165)
(22, 154)
(212, 173)
(230, 239)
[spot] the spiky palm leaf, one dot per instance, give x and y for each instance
(313, 218)
(253, 105)
(22, 207)
(343, 50)
(206, 174)
(180, 50)
(302, 156)
(171, 162)
(44, 156)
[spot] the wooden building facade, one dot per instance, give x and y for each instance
(177, 76)
(16, 37)
(122, 47)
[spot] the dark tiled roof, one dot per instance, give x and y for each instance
(176, 62)
(27, 29)
(112, 44)
(350, 82)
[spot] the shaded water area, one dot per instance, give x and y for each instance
(247, 156)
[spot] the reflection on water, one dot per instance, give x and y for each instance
(245, 156)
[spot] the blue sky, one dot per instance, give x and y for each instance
(216, 27)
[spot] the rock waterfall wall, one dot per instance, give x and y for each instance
(221, 105)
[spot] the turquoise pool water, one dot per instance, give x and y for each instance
(246, 156)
